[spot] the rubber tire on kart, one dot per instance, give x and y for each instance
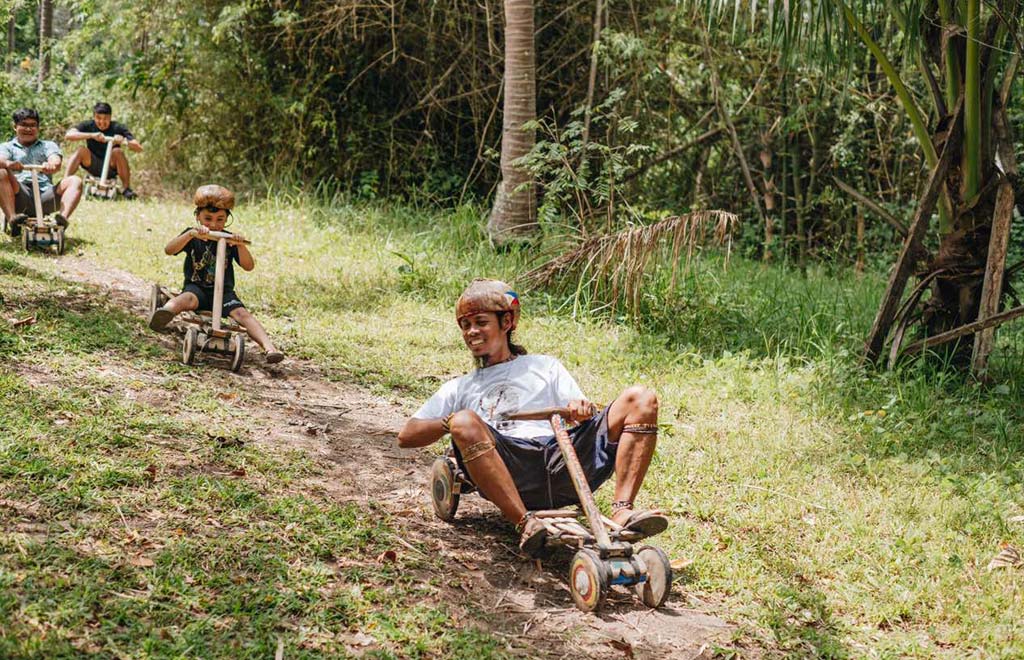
(654, 591)
(442, 489)
(6, 229)
(239, 356)
(60, 242)
(25, 243)
(588, 580)
(188, 346)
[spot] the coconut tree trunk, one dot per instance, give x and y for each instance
(11, 43)
(45, 36)
(514, 215)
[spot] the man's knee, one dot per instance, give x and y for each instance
(470, 434)
(641, 399)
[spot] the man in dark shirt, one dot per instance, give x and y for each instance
(97, 132)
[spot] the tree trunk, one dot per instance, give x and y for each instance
(11, 43)
(45, 36)
(514, 215)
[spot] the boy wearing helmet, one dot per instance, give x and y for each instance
(213, 208)
(517, 464)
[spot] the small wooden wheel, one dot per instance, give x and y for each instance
(239, 356)
(60, 242)
(188, 347)
(655, 589)
(588, 580)
(442, 488)
(25, 231)
(6, 229)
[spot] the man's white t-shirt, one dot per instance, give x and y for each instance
(526, 383)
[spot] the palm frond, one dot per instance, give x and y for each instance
(612, 266)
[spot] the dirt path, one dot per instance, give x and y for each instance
(351, 432)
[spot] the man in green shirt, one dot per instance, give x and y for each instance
(16, 199)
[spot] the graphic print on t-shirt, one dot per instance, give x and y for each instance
(498, 400)
(204, 269)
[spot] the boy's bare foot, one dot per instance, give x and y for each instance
(648, 523)
(274, 356)
(159, 319)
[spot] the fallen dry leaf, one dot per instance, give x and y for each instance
(680, 564)
(238, 472)
(387, 556)
(622, 645)
(1016, 519)
(28, 320)
(150, 472)
(227, 396)
(142, 562)
(1008, 557)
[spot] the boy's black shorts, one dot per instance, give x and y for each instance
(95, 168)
(205, 296)
(24, 203)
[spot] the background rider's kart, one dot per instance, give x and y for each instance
(104, 186)
(39, 229)
(208, 332)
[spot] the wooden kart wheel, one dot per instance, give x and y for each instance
(6, 229)
(239, 356)
(25, 242)
(60, 241)
(588, 580)
(188, 346)
(442, 488)
(655, 589)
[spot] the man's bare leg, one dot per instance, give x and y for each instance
(486, 469)
(70, 192)
(8, 189)
(636, 408)
(82, 156)
(119, 162)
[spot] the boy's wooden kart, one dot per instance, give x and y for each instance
(103, 187)
(208, 331)
(605, 555)
(39, 229)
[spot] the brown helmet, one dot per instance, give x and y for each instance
(214, 196)
(488, 296)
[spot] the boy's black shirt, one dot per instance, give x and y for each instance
(99, 149)
(201, 263)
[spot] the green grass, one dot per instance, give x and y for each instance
(130, 531)
(833, 512)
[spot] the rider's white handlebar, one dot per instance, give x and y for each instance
(232, 238)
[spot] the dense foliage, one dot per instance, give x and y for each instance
(385, 98)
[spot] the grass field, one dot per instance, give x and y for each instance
(833, 512)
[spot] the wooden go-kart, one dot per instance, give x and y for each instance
(102, 186)
(40, 230)
(208, 332)
(605, 554)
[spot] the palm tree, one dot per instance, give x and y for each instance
(966, 55)
(45, 36)
(514, 214)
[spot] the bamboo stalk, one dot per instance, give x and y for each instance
(972, 102)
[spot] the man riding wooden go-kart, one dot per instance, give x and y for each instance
(517, 463)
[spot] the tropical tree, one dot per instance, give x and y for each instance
(514, 214)
(963, 56)
(45, 37)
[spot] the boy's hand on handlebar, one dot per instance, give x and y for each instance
(200, 231)
(15, 166)
(581, 410)
(99, 137)
(49, 168)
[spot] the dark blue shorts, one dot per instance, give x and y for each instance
(205, 296)
(539, 471)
